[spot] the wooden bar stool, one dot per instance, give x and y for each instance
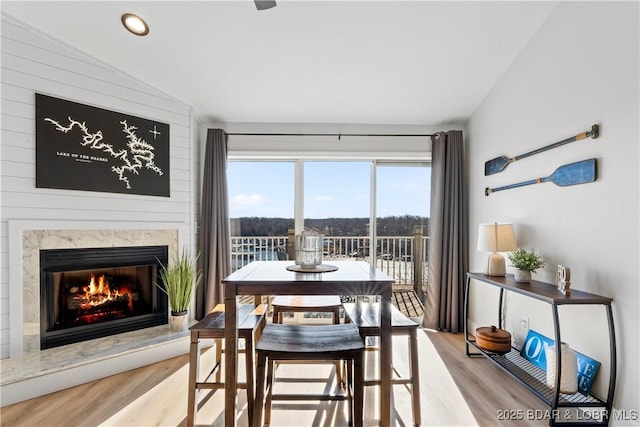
(306, 343)
(367, 318)
(250, 322)
(308, 304)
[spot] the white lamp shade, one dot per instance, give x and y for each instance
(496, 238)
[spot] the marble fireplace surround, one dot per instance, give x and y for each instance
(27, 363)
(35, 240)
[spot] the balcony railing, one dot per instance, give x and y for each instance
(402, 257)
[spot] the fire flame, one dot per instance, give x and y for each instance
(97, 292)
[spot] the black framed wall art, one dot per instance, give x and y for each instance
(80, 147)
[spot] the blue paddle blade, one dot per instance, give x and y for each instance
(574, 173)
(496, 165)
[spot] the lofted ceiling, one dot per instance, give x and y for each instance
(380, 62)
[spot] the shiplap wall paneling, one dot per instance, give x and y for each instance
(32, 62)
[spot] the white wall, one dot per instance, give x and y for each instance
(580, 69)
(32, 62)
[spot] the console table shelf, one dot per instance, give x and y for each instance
(530, 375)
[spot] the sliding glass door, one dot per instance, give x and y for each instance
(369, 210)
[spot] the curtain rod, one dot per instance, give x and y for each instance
(339, 135)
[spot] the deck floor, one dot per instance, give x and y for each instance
(409, 303)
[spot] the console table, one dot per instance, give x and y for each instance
(530, 375)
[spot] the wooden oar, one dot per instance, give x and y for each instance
(499, 163)
(570, 174)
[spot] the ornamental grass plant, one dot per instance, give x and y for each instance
(179, 281)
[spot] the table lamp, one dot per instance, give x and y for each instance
(496, 238)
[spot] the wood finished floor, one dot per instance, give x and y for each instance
(455, 391)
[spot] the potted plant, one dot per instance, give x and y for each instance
(525, 262)
(179, 281)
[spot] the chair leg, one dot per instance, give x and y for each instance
(415, 376)
(218, 360)
(339, 375)
(259, 400)
(194, 359)
(269, 389)
(358, 389)
(349, 386)
(338, 363)
(248, 354)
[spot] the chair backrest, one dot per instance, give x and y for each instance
(249, 317)
(369, 317)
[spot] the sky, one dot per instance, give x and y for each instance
(331, 189)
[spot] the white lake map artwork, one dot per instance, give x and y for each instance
(80, 147)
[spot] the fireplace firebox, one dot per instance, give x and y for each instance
(96, 292)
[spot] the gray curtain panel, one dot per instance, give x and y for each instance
(214, 240)
(448, 236)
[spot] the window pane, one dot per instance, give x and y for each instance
(261, 201)
(337, 203)
(402, 204)
(403, 190)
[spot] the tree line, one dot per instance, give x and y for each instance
(387, 226)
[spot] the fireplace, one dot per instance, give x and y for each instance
(96, 292)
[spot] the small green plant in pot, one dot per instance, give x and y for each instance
(179, 280)
(525, 262)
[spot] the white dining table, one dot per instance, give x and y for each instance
(272, 278)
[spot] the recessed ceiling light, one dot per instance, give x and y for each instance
(135, 24)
